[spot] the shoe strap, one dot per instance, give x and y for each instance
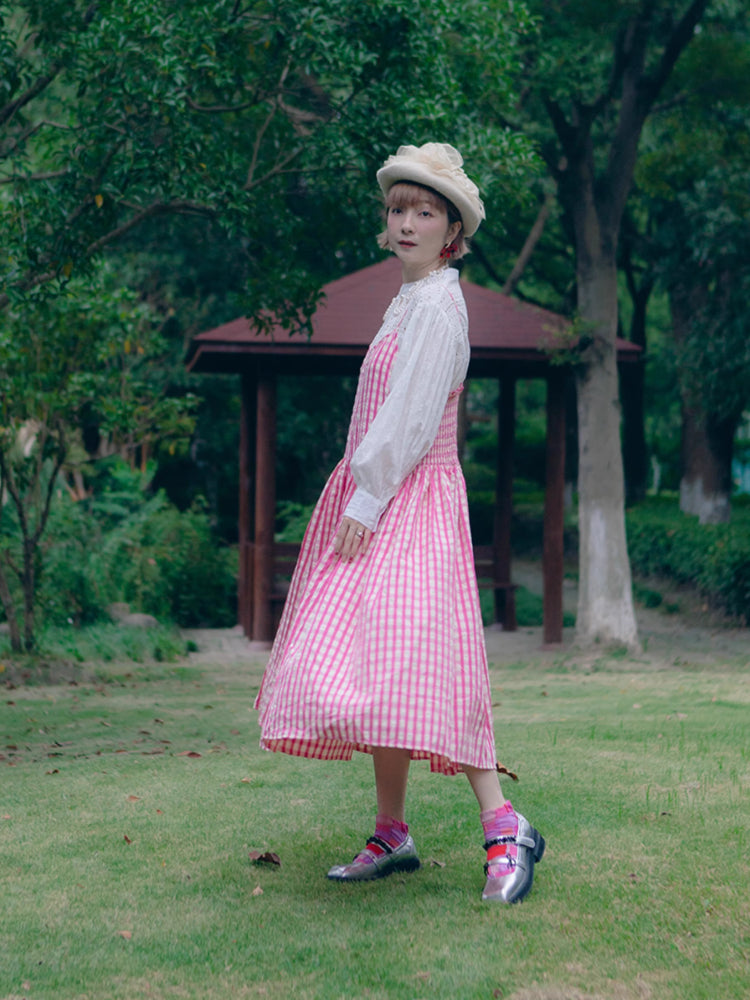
(521, 841)
(379, 842)
(499, 840)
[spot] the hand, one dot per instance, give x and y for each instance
(352, 539)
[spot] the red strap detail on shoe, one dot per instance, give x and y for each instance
(497, 851)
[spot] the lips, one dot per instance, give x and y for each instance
(406, 243)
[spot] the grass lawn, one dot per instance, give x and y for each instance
(129, 804)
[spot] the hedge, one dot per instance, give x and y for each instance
(713, 557)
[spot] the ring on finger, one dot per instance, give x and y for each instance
(360, 534)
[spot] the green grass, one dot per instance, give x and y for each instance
(105, 643)
(124, 869)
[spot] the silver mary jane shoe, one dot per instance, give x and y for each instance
(516, 875)
(368, 866)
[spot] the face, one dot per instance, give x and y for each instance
(418, 229)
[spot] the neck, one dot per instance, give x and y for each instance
(409, 274)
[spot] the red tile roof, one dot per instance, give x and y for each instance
(501, 328)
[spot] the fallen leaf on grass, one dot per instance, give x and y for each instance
(265, 857)
(188, 753)
(125, 934)
(434, 863)
(502, 769)
(127, 839)
(257, 891)
(245, 781)
(134, 798)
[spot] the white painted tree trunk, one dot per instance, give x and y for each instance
(605, 600)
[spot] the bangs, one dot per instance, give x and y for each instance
(406, 195)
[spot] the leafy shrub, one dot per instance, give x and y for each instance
(713, 557)
(121, 546)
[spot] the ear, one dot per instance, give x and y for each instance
(453, 230)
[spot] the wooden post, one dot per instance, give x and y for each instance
(265, 506)
(505, 602)
(554, 509)
(246, 497)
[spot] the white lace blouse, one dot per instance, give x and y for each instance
(431, 361)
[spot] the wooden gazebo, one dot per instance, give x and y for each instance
(508, 340)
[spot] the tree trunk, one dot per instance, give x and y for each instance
(6, 599)
(707, 441)
(706, 484)
(632, 394)
(605, 601)
(634, 449)
(29, 595)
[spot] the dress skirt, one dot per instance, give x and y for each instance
(386, 650)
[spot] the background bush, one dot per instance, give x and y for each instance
(122, 545)
(713, 557)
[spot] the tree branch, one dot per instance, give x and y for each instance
(218, 109)
(535, 234)
(677, 43)
(566, 133)
(28, 178)
(176, 207)
(639, 94)
(9, 110)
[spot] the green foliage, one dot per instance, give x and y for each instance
(292, 519)
(84, 357)
(714, 558)
(529, 609)
(121, 545)
(113, 115)
(96, 644)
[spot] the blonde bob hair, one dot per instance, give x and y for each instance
(407, 194)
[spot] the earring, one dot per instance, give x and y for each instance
(448, 251)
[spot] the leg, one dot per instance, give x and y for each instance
(391, 775)
(391, 849)
(486, 786)
(512, 844)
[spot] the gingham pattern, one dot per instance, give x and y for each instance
(386, 650)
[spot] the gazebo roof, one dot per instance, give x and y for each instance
(502, 330)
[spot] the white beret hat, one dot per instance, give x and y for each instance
(439, 166)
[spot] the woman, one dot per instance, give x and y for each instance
(380, 648)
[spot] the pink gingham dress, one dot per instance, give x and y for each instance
(386, 650)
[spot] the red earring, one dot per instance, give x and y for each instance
(448, 251)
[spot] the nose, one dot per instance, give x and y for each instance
(407, 222)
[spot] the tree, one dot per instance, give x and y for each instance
(80, 355)
(693, 189)
(115, 114)
(247, 119)
(595, 73)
